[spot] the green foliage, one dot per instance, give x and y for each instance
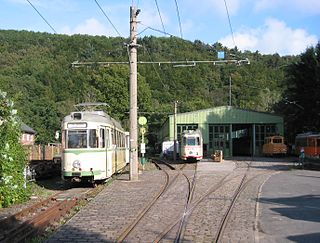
(12, 155)
(36, 70)
(301, 104)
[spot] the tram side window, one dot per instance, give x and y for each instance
(118, 139)
(113, 136)
(92, 138)
(121, 140)
(77, 139)
(108, 138)
(102, 138)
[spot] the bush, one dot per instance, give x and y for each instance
(12, 155)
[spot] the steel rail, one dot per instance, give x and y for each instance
(37, 217)
(196, 203)
(229, 210)
(133, 224)
(39, 222)
(192, 186)
(243, 185)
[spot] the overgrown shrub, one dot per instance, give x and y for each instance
(12, 155)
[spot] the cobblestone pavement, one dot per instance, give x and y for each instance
(106, 216)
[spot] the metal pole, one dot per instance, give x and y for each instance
(175, 131)
(133, 96)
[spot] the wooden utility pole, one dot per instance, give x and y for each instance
(134, 164)
(230, 104)
(175, 131)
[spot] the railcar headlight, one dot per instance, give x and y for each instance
(76, 164)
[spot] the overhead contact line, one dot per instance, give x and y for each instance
(160, 15)
(225, 3)
(104, 13)
(178, 14)
(42, 17)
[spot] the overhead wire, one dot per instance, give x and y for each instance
(164, 30)
(225, 3)
(42, 17)
(178, 14)
(104, 13)
(154, 29)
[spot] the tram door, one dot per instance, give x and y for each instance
(108, 153)
(102, 144)
(127, 146)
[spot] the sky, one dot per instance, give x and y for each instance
(286, 27)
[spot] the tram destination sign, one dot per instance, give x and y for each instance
(77, 125)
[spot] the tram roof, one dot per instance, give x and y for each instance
(93, 116)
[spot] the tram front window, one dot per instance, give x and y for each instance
(193, 141)
(77, 139)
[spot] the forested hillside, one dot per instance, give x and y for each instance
(36, 71)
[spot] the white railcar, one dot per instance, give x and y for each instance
(191, 145)
(94, 146)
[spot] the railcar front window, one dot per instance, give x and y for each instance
(191, 141)
(277, 140)
(77, 139)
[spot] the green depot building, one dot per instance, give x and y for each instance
(237, 132)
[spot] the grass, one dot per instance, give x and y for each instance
(39, 191)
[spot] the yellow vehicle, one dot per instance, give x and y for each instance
(274, 145)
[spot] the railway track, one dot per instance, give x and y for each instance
(171, 178)
(177, 226)
(191, 206)
(176, 214)
(35, 219)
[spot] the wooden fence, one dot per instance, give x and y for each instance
(43, 152)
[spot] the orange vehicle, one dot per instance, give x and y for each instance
(274, 145)
(310, 142)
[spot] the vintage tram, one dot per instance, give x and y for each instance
(94, 146)
(310, 142)
(274, 145)
(191, 145)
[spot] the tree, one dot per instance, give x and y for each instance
(301, 104)
(12, 155)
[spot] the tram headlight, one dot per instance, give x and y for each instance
(76, 164)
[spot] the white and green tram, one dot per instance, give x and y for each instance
(94, 146)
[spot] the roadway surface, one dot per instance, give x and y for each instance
(290, 207)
